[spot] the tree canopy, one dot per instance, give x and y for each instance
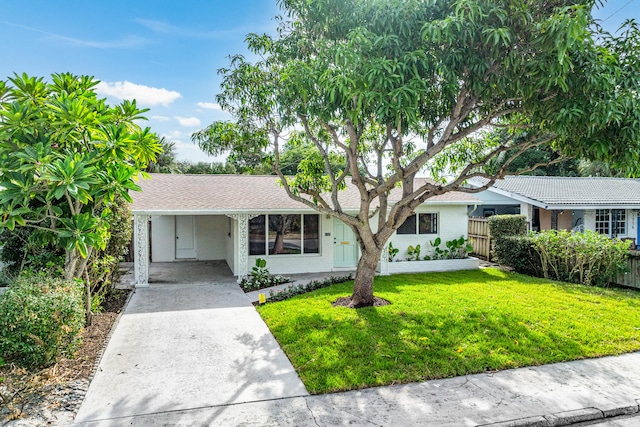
(400, 88)
(64, 155)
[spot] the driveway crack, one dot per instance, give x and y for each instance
(306, 401)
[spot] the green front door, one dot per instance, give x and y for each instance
(345, 247)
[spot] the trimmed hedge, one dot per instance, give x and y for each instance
(40, 320)
(507, 225)
(518, 253)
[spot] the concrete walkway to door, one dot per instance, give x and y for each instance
(187, 346)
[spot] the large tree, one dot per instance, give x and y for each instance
(406, 87)
(64, 156)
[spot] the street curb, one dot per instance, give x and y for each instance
(568, 418)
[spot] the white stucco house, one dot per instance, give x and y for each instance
(238, 218)
(610, 206)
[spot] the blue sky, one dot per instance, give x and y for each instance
(163, 53)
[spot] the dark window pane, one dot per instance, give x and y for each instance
(409, 226)
(428, 223)
(312, 234)
(285, 234)
(257, 235)
(619, 222)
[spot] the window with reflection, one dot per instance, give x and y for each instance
(284, 234)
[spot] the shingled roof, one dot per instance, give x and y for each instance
(173, 193)
(550, 191)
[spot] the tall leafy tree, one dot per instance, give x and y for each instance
(64, 155)
(405, 87)
(166, 161)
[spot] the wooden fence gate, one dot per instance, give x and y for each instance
(480, 237)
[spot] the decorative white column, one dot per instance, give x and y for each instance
(384, 260)
(141, 250)
(243, 243)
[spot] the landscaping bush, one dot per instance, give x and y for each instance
(294, 290)
(40, 320)
(102, 268)
(260, 278)
(518, 253)
(589, 258)
(507, 225)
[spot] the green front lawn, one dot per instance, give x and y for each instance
(448, 324)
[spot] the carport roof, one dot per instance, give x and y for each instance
(174, 193)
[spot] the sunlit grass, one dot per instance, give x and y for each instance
(447, 324)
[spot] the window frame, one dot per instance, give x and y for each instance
(416, 219)
(266, 250)
(611, 222)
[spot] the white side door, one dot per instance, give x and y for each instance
(185, 237)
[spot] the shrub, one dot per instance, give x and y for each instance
(518, 253)
(589, 258)
(294, 290)
(40, 320)
(507, 225)
(103, 266)
(260, 278)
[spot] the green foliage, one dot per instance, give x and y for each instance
(507, 225)
(392, 252)
(40, 320)
(165, 161)
(518, 253)
(29, 249)
(414, 253)
(67, 154)
(313, 285)
(454, 249)
(205, 168)
(102, 268)
(458, 248)
(260, 278)
(589, 258)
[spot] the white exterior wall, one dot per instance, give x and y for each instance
(230, 238)
(211, 231)
(211, 235)
(163, 238)
(452, 223)
(309, 263)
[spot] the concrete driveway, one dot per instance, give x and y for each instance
(181, 347)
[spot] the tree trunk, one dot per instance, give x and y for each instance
(363, 282)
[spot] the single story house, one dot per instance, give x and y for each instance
(238, 218)
(609, 206)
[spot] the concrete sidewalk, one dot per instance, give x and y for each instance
(551, 395)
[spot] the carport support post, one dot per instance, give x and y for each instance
(243, 243)
(141, 250)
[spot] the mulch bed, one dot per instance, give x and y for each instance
(36, 396)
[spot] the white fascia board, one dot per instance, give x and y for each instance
(518, 197)
(590, 207)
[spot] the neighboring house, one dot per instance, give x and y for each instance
(238, 218)
(609, 206)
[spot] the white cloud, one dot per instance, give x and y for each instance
(161, 118)
(142, 94)
(209, 106)
(176, 135)
(188, 121)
